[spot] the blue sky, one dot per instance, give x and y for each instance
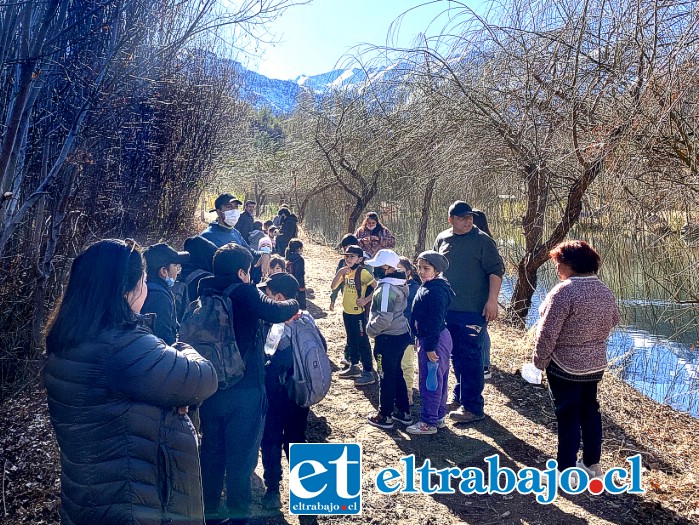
(313, 37)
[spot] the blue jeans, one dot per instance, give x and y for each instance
(231, 422)
(486, 349)
(467, 331)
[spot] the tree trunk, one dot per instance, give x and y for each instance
(424, 217)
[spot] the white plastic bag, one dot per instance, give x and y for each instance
(531, 374)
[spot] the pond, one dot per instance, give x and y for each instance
(654, 348)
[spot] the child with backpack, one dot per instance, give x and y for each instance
(226, 324)
(434, 343)
(287, 415)
(296, 266)
(358, 288)
(389, 328)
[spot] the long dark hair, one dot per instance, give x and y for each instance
(292, 247)
(372, 215)
(95, 298)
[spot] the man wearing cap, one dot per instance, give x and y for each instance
(475, 274)
(246, 220)
(222, 230)
(162, 266)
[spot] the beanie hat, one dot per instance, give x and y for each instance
(436, 259)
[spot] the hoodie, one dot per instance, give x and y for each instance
(388, 307)
(429, 312)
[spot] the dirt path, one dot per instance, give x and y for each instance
(520, 426)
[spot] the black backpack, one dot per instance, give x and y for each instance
(207, 326)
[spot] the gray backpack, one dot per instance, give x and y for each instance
(310, 381)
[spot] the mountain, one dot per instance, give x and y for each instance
(281, 95)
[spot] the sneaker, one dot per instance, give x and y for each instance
(442, 423)
(461, 415)
(574, 480)
(380, 421)
(364, 379)
(352, 372)
(421, 428)
(403, 417)
(486, 373)
(594, 471)
(345, 363)
(272, 500)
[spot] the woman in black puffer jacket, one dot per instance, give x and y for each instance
(116, 397)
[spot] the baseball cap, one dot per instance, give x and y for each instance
(387, 257)
(460, 208)
(161, 254)
(250, 202)
(283, 283)
(353, 249)
(225, 198)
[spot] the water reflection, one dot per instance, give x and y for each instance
(653, 349)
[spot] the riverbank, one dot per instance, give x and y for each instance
(520, 426)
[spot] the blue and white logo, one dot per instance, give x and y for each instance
(325, 478)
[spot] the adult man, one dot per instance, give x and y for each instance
(222, 230)
(163, 263)
(475, 274)
(247, 218)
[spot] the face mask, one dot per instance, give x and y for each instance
(230, 217)
(170, 281)
(354, 266)
(379, 273)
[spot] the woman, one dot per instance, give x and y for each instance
(373, 236)
(116, 397)
(571, 345)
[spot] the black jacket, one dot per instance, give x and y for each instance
(250, 308)
(289, 229)
(427, 319)
(296, 266)
(161, 302)
(127, 457)
(244, 225)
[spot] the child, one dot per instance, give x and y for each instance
(296, 266)
(433, 340)
(408, 362)
(357, 293)
(286, 421)
(273, 232)
(389, 328)
(277, 264)
(258, 238)
(163, 264)
(347, 240)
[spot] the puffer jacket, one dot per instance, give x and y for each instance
(428, 317)
(127, 456)
(388, 306)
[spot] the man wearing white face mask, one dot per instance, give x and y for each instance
(222, 231)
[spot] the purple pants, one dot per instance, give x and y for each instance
(434, 404)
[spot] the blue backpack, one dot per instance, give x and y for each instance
(310, 381)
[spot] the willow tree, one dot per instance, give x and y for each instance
(561, 85)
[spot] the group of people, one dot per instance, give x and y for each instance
(441, 309)
(129, 398)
